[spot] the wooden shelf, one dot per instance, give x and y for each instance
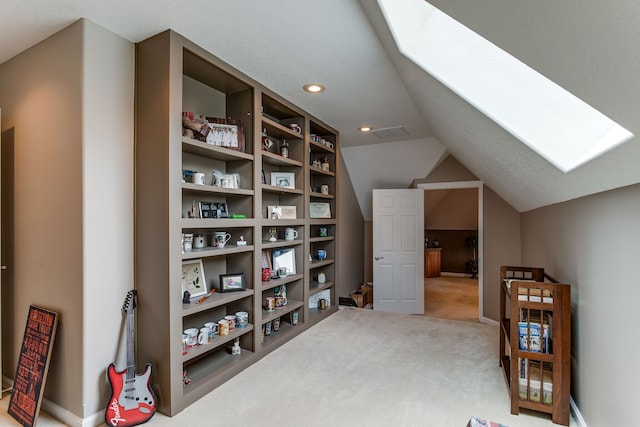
(212, 251)
(277, 160)
(315, 287)
(216, 300)
(538, 376)
(200, 148)
(218, 342)
(282, 190)
(197, 188)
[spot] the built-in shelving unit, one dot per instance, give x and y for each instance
(259, 191)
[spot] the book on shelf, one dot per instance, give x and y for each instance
(529, 336)
(535, 327)
(535, 381)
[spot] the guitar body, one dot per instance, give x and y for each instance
(132, 401)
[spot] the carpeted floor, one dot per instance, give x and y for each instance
(365, 368)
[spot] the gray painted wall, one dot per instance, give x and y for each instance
(592, 243)
(68, 103)
(501, 234)
(351, 244)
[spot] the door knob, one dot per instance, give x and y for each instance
(378, 258)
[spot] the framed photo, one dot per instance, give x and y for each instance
(319, 210)
(285, 258)
(225, 180)
(232, 282)
(193, 278)
(283, 179)
(213, 210)
(227, 133)
(281, 212)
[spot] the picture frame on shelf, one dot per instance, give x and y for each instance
(232, 282)
(285, 258)
(228, 133)
(225, 180)
(193, 279)
(281, 212)
(319, 210)
(283, 179)
(213, 210)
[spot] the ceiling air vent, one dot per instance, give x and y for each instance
(393, 132)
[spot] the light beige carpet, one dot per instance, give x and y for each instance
(367, 368)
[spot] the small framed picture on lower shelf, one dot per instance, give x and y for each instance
(232, 282)
(193, 280)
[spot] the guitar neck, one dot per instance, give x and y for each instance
(131, 362)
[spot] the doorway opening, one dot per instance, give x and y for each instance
(456, 295)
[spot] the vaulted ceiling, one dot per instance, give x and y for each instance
(589, 47)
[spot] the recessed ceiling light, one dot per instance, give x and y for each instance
(365, 128)
(314, 87)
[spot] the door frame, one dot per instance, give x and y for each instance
(455, 185)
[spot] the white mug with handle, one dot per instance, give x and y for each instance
(221, 238)
(290, 233)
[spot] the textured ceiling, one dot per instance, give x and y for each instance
(589, 47)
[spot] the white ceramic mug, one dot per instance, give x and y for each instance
(221, 238)
(290, 233)
(192, 337)
(231, 319)
(198, 178)
(205, 336)
(270, 304)
(223, 327)
(187, 242)
(242, 319)
(283, 271)
(324, 189)
(198, 241)
(213, 326)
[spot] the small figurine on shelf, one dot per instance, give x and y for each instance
(325, 164)
(186, 297)
(185, 379)
(272, 233)
(284, 149)
(241, 242)
(236, 350)
(266, 141)
(322, 278)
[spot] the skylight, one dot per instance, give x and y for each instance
(564, 130)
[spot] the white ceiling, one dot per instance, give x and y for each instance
(589, 47)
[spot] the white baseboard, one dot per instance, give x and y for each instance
(576, 413)
(62, 414)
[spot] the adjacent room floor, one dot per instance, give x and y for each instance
(449, 297)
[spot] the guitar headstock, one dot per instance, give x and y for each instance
(130, 301)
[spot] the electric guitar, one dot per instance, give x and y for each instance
(132, 401)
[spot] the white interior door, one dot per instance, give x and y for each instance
(398, 251)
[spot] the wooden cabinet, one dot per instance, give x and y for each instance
(241, 184)
(535, 341)
(432, 259)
